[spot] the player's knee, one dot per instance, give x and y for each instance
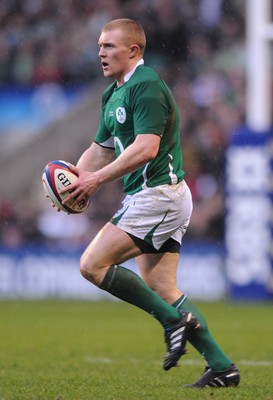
(86, 268)
(91, 270)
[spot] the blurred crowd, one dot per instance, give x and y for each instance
(198, 46)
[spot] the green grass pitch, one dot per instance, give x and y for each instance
(80, 350)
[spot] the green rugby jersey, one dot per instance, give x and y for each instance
(143, 104)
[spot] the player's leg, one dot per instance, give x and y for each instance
(220, 372)
(159, 271)
(100, 265)
(203, 340)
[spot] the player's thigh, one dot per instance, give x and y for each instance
(110, 246)
(159, 271)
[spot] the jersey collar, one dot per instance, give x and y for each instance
(128, 76)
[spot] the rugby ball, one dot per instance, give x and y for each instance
(57, 175)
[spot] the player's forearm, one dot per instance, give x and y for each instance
(134, 157)
(122, 166)
(95, 158)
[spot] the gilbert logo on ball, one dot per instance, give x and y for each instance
(58, 175)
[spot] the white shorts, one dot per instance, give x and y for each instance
(156, 214)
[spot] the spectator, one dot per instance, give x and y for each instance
(50, 41)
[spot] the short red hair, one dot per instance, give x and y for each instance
(133, 31)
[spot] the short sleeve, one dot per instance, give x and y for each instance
(151, 110)
(103, 136)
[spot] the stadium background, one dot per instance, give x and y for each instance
(51, 84)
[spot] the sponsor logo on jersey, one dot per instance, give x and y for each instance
(121, 115)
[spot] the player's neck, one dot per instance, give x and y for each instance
(128, 75)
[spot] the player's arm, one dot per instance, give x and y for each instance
(140, 152)
(95, 157)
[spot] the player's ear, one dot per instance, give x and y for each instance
(134, 50)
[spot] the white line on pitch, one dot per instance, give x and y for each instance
(248, 363)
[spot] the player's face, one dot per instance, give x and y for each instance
(114, 54)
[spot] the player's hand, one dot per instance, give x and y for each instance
(84, 187)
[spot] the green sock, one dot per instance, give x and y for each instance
(202, 340)
(128, 286)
